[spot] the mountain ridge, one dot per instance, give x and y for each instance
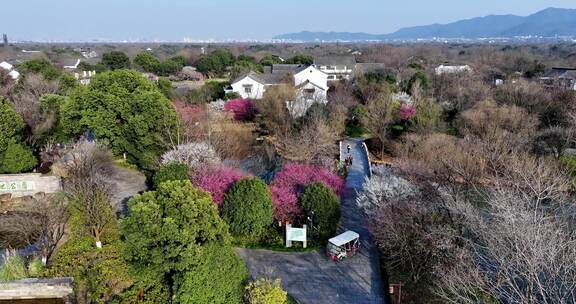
(549, 22)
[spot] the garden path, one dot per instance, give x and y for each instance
(310, 277)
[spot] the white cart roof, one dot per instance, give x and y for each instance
(344, 238)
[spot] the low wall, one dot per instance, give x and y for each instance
(19, 185)
(367, 158)
(37, 289)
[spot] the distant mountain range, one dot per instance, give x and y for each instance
(550, 22)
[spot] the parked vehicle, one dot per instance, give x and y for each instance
(343, 246)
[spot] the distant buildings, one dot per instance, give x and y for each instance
(84, 77)
(560, 78)
(4, 40)
(87, 52)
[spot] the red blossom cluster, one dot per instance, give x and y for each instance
(243, 109)
(290, 182)
(407, 111)
(216, 181)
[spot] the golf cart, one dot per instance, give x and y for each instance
(343, 246)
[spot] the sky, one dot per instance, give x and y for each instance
(174, 20)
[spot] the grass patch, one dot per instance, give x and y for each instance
(121, 162)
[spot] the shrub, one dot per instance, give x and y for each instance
(265, 291)
(247, 207)
(218, 278)
(178, 244)
(289, 184)
(11, 124)
(216, 181)
(243, 109)
(17, 158)
(170, 172)
(323, 207)
(13, 269)
(231, 95)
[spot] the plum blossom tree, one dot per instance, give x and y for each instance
(289, 184)
(243, 109)
(194, 155)
(406, 111)
(216, 181)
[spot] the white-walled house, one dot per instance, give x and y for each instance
(311, 85)
(249, 86)
(452, 69)
(310, 82)
(338, 67)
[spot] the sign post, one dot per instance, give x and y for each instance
(295, 234)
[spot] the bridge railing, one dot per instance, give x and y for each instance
(367, 158)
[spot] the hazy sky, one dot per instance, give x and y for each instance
(248, 19)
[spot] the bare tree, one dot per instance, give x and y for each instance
(275, 114)
(88, 167)
(378, 117)
(27, 103)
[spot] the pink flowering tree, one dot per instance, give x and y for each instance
(289, 184)
(243, 109)
(407, 111)
(216, 181)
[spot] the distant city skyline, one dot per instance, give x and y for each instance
(177, 20)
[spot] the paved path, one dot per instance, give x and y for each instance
(312, 277)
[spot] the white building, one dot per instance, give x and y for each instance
(84, 77)
(73, 67)
(336, 67)
(452, 69)
(311, 85)
(310, 82)
(249, 86)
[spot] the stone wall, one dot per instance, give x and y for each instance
(19, 185)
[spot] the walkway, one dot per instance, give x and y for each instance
(313, 278)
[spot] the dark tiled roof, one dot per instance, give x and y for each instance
(561, 73)
(288, 68)
(266, 78)
(346, 60)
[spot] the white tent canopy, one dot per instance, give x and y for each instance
(344, 238)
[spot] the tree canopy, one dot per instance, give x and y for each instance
(116, 60)
(323, 207)
(124, 109)
(176, 239)
(248, 207)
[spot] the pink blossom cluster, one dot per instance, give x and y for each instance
(290, 182)
(189, 113)
(243, 109)
(216, 181)
(407, 111)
